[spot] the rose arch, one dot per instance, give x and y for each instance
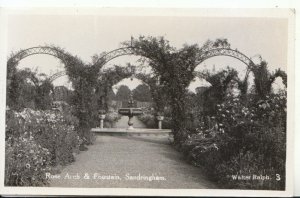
(85, 77)
(204, 55)
(115, 75)
(66, 58)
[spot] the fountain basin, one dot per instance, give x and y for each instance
(130, 111)
(130, 132)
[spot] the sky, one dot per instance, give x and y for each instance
(86, 35)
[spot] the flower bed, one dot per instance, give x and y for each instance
(111, 118)
(151, 122)
(36, 141)
(243, 140)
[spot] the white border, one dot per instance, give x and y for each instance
(3, 59)
(162, 192)
(154, 4)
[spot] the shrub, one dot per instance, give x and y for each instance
(26, 162)
(149, 119)
(111, 118)
(244, 139)
(49, 136)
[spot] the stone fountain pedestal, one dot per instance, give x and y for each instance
(160, 119)
(130, 112)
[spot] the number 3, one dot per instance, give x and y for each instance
(278, 177)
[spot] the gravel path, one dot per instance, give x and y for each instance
(122, 162)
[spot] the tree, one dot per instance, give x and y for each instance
(106, 80)
(263, 79)
(26, 90)
(174, 67)
(216, 93)
(61, 93)
(142, 93)
(43, 100)
(123, 93)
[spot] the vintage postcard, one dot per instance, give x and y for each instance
(136, 101)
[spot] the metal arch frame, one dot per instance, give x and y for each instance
(226, 52)
(128, 51)
(61, 55)
(39, 50)
(57, 75)
(102, 60)
(114, 54)
(203, 55)
(42, 50)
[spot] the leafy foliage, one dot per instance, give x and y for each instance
(111, 117)
(123, 93)
(25, 89)
(263, 79)
(227, 134)
(237, 136)
(142, 93)
(149, 119)
(174, 68)
(105, 82)
(217, 92)
(36, 141)
(26, 162)
(243, 141)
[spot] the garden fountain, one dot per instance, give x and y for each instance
(131, 111)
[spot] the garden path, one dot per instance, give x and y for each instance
(122, 156)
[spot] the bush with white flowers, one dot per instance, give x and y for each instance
(243, 139)
(37, 141)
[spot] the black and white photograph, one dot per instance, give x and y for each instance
(106, 100)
